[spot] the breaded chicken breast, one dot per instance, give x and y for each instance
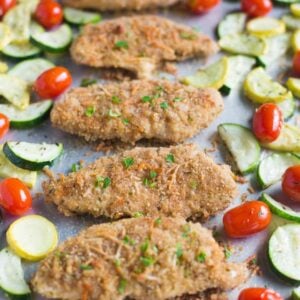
(112, 5)
(178, 181)
(135, 110)
(139, 44)
(141, 258)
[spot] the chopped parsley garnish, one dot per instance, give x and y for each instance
(128, 162)
(146, 99)
(170, 158)
(186, 230)
(177, 99)
(125, 121)
(114, 114)
(121, 45)
(122, 286)
(188, 36)
(138, 214)
(89, 112)
(147, 260)
(128, 240)
(104, 182)
(227, 252)
(164, 105)
(157, 221)
(201, 257)
(193, 184)
(150, 181)
(76, 167)
(116, 100)
(179, 251)
(159, 92)
(117, 262)
(86, 267)
(144, 246)
(153, 174)
(87, 81)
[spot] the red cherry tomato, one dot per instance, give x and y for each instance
(201, 6)
(4, 125)
(296, 64)
(246, 219)
(291, 183)
(53, 82)
(49, 13)
(15, 196)
(267, 122)
(5, 6)
(256, 8)
(259, 294)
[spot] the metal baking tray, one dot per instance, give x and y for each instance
(237, 110)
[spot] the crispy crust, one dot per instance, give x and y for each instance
(150, 41)
(115, 253)
(111, 5)
(180, 120)
(192, 186)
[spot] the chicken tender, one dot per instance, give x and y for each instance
(112, 5)
(139, 44)
(178, 181)
(141, 258)
(135, 110)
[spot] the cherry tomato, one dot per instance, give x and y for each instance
(259, 294)
(53, 82)
(267, 122)
(296, 64)
(49, 13)
(246, 219)
(15, 196)
(291, 183)
(5, 6)
(4, 125)
(256, 8)
(201, 6)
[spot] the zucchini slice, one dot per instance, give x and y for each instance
(242, 144)
(32, 156)
(18, 19)
(30, 70)
(291, 22)
(265, 26)
(278, 46)
(5, 35)
(80, 17)
(32, 116)
(296, 294)
(14, 90)
(296, 40)
(238, 67)
(295, 10)
(12, 276)
(55, 41)
(41, 233)
(21, 51)
(244, 44)
(293, 85)
(232, 23)
(280, 209)
(7, 169)
(260, 88)
(288, 140)
(283, 250)
(271, 169)
(213, 76)
(3, 68)
(288, 107)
